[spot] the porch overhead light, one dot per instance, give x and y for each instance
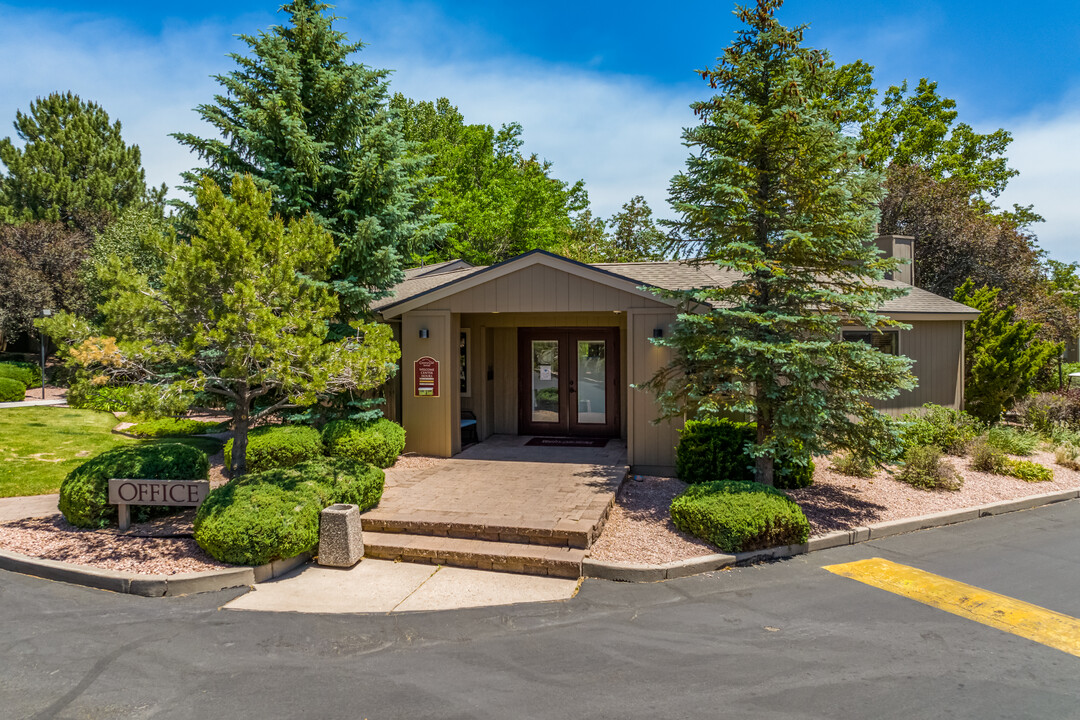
(658, 332)
(423, 333)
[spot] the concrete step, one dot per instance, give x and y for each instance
(481, 554)
(565, 533)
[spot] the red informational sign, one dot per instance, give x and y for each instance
(426, 377)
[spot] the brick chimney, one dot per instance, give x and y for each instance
(903, 247)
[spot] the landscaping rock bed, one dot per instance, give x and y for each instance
(53, 538)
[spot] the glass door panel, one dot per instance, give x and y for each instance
(591, 385)
(545, 381)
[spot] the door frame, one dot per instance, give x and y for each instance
(568, 337)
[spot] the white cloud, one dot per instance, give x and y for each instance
(1046, 151)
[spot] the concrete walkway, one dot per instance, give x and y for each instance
(19, 508)
(32, 403)
(381, 586)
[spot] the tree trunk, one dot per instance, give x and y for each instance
(240, 422)
(764, 468)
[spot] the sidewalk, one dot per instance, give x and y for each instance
(17, 508)
(381, 586)
(32, 403)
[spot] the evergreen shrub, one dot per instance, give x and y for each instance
(174, 427)
(278, 446)
(926, 469)
(11, 390)
(378, 443)
(717, 449)
(274, 514)
(84, 493)
(951, 431)
(19, 372)
(740, 516)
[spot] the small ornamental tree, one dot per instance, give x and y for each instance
(73, 162)
(1001, 354)
(241, 311)
(775, 191)
(313, 127)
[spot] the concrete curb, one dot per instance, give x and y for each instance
(640, 572)
(148, 585)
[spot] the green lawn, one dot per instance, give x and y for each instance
(39, 446)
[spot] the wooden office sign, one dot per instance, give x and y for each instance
(426, 377)
(181, 493)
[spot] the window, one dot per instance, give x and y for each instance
(887, 341)
(463, 363)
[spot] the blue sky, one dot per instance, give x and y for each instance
(601, 89)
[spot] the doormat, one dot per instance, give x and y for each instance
(567, 442)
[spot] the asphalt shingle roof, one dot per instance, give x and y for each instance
(672, 275)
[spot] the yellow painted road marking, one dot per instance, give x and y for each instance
(998, 611)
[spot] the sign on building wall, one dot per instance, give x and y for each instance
(426, 377)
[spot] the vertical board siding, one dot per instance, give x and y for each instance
(651, 445)
(428, 420)
(539, 288)
(937, 349)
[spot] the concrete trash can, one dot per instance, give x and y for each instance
(340, 541)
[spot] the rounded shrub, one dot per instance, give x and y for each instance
(926, 469)
(717, 449)
(16, 372)
(11, 390)
(951, 431)
(378, 443)
(740, 516)
(278, 446)
(274, 514)
(84, 493)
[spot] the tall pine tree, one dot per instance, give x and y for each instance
(73, 163)
(776, 192)
(314, 128)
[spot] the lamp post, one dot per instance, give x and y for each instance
(45, 312)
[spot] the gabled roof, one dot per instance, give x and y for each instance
(445, 279)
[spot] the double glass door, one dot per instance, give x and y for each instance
(568, 381)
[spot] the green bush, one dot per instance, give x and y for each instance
(278, 446)
(926, 469)
(29, 374)
(274, 514)
(87, 396)
(951, 431)
(378, 443)
(1042, 412)
(1029, 471)
(1012, 441)
(84, 493)
(11, 390)
(848, 463)
(740, 516)
(711, 450)
(173, 427)
(985, 457)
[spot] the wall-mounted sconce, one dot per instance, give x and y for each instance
(423, 334)
(658, 332)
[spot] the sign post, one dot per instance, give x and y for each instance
(426, 377)
(182, 493)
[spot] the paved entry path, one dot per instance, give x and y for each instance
(505, 486)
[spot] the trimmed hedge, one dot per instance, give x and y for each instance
(84, 493)
(22, 372)
(278, 446)
(173, 427)
(272, 515)
(11, 390)
(740, 516)
(378, 443)
(711, 450)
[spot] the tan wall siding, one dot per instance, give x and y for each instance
(428, 420)
(539, 289)
(937, 347)
(651, 446)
